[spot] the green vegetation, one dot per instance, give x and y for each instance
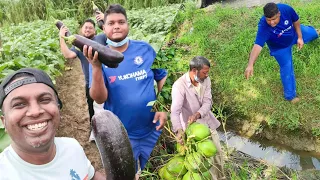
(33, 44)
(4, 138)
(226, 36)
(238, 166)
(152, 24)
(29, 10)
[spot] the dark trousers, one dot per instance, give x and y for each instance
(90, 104)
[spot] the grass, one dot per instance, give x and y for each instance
(226, 36)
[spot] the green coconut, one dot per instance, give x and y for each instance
(206, 175)
(207, 164)
(207, 148)
(192, 176)
(167, 175)
(161, 172)
(189, 127)
(176, 166)
(199, 131)
(181, 149)
(195, 162)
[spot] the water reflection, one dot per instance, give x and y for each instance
(272, 154)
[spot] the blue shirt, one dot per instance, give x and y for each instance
(283, 34)
(131, 87)
(83, 59)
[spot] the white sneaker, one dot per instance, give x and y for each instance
(91, 138)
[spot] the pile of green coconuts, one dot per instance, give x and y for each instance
(194, 157)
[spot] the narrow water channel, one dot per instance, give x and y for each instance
(273, 154)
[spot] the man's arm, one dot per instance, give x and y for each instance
(256, 49)
(161, 83)
(176, 106)
(67, 53)
(98, 90)
(297, 27)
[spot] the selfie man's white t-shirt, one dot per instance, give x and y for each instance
(70, 162)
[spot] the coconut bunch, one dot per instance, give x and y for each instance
(194, 158)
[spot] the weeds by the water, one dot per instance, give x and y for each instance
(238, 166)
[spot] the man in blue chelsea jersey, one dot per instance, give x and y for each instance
(127, 89)
(280, 28)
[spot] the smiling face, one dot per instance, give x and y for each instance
(116, 27)
(88, 30)
(31, 117)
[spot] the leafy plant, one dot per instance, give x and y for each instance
(32, 45)
(152, 24)
(4, 137)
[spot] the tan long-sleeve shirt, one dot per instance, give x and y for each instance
(186, 102)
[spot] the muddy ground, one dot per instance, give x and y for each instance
(75, 116)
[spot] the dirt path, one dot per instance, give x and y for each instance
(75, 116)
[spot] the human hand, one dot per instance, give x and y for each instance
(63, 31)
(93, 60)
(194, 117)
(180, 136)
(300, 43)
(99, 16)
(248, 72)
(162, 118)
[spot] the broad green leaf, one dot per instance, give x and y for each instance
(5, 140)
(151, 103)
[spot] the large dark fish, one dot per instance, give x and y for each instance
(114, 146)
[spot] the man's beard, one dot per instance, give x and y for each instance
(199, 79)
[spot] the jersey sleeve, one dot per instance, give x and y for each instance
(262, 34)
(293, 14)
(90, 75)
(159, 74)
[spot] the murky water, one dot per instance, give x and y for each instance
(273, 154)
